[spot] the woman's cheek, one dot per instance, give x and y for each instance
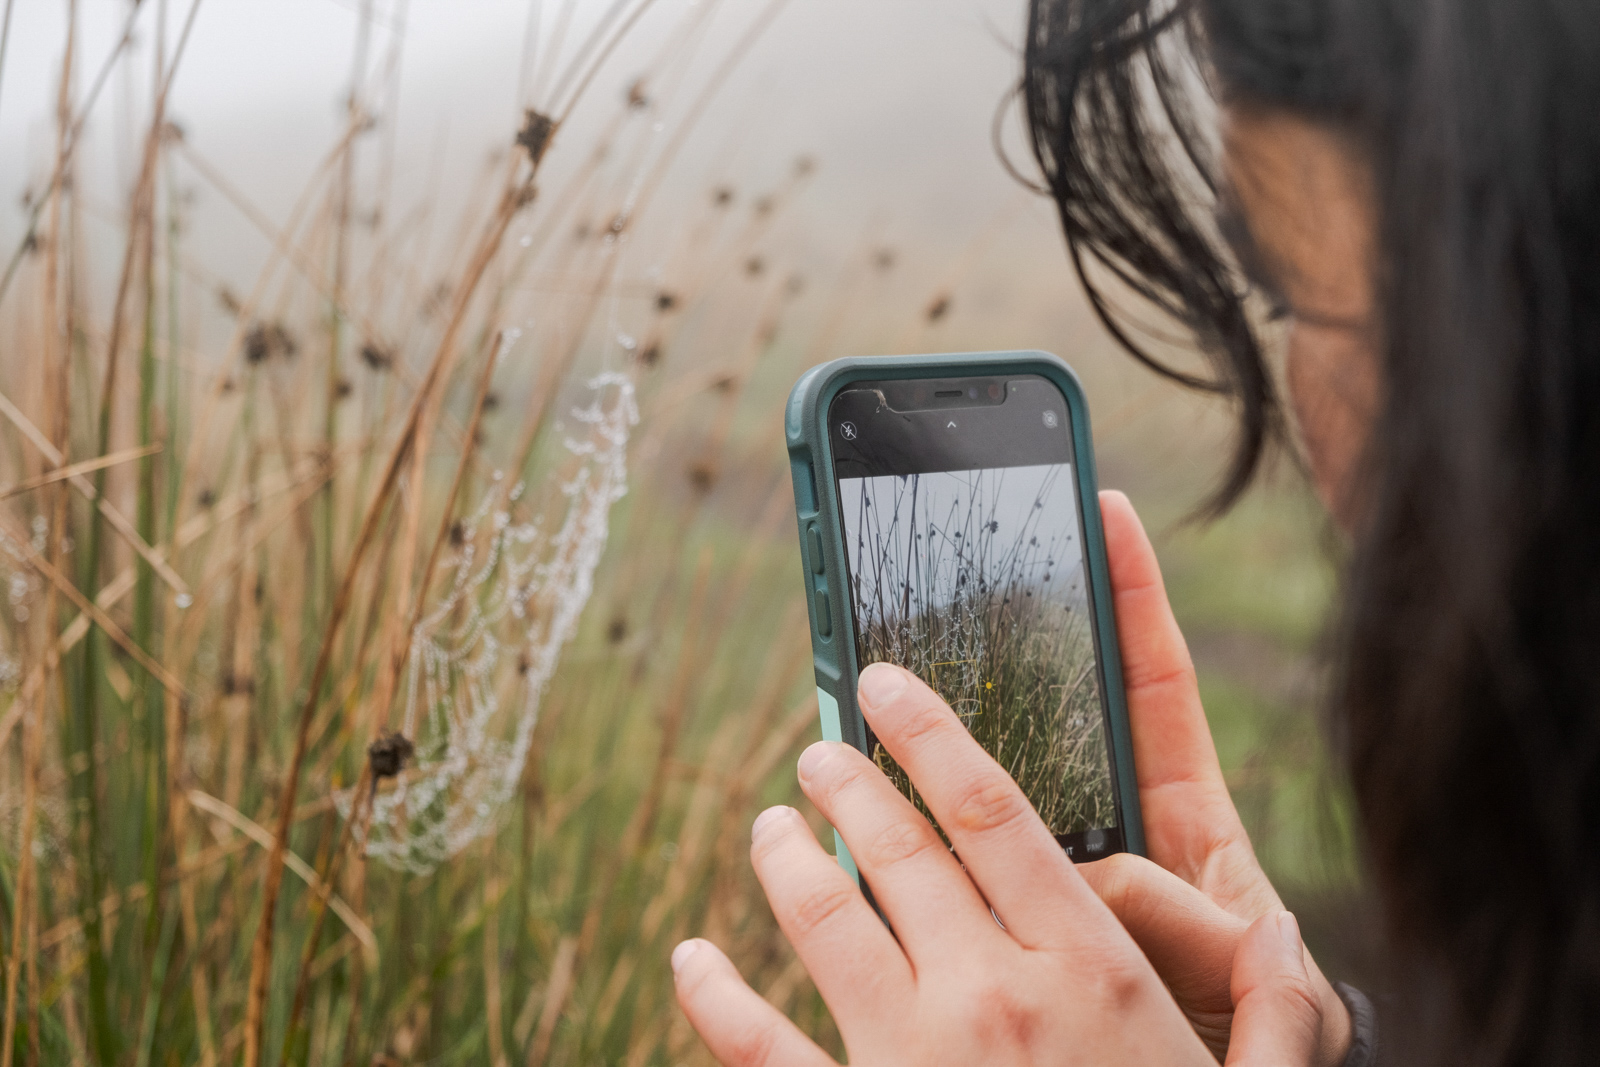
(1332, 378)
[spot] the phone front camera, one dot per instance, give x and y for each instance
(994, 391)
(972, 393)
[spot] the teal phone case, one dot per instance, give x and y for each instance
(822, 548)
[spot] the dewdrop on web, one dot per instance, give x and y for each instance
(516, 594)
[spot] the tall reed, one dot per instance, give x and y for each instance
(400, 636)
(233, 569)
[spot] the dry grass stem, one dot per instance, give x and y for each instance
(281, 531)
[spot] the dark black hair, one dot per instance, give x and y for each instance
(1468, 697)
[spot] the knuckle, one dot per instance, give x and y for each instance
(1135, 891)
(1005, 1014)
(1300, 998)
(921, 722)
(816, 907)
(1115, 881)
(754, 1046)
(1147, 677)
(837, 777)
(1125, 988)
(1121, 986)
(900, 841)
(1290, 999)
(989, 803)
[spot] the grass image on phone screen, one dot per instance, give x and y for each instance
(974, 580)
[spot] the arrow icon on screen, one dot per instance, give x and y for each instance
(950, 425)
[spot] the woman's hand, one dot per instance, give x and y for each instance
(1191, 903)
(1060, 982)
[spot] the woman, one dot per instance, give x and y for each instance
(1414, 186)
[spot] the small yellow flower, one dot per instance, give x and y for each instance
(988, 685)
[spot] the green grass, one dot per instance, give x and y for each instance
(132, 865)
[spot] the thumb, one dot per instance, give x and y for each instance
(1277, 1015)
(1187, 938)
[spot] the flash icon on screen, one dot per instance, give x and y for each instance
(847, 430)
(1050, 420)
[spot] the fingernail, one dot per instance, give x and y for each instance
(684, 951)
(1289, 931)
(766, 818)
(880, 683)
(812, 759)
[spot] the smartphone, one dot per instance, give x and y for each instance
(949, 523)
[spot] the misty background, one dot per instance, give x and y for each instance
(829, 185)
(896, 102)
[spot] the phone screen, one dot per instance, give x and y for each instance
(959, 501)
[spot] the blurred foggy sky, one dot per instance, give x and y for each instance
(894, 99)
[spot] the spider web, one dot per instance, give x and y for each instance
(481, 659)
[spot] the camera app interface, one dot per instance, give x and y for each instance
(964, 546)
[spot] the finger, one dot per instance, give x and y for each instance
(1009, 854)
(1187, 938)
(925, 895)
(1277, 1016)
(737, 1025)
(1188, 813)
(858, 968)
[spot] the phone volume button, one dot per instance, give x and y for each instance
(824, 614)
(814, 548)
